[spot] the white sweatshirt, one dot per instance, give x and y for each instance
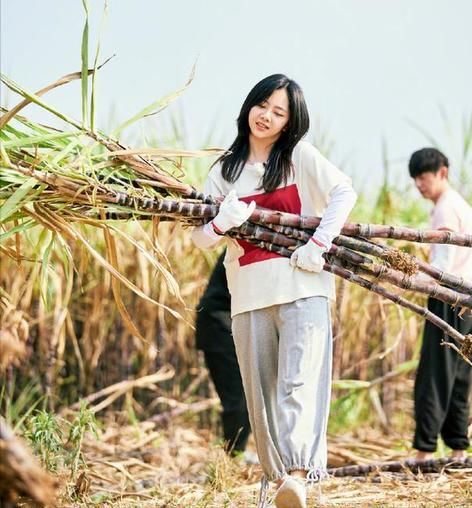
(258, 278)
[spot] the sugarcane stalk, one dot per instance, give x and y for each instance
(360, 263)
(411, 283)
(263, 216)
(465, 341)
(290, 224)
(182, 208)
(287, 220)
(397, 259)
(425, 466)
(179, 208)
(392, 256)
(21, 474)
(83, 192)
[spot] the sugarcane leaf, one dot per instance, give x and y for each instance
(115, 285)
(350, 384)
(168, 152)
(67, 229)
(62, 154)
(348, 409)
(20, 228)
(154, 107)
(84, 56)
(15, 201)
(37, 140)
(408, 366)
(170, 281)
(4, 155)
(45, 266)
(13, 113)
(67, 260)
(36, 100)
(95, 63)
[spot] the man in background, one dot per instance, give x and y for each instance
(443, 378)
(214, 337)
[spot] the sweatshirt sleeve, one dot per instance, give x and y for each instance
(329, 191)
(342, 200)
(205, 237)
(320, 173)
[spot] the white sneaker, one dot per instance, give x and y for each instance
(250, 458)
(291, 494)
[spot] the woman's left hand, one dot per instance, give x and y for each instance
(309, 256)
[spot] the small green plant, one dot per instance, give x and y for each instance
(83, 422)
(45, 435)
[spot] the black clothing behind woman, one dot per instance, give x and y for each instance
(214, 338)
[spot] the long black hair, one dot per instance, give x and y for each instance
(279, 165)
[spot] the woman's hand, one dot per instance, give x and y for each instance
(232, 213)
(309, 256)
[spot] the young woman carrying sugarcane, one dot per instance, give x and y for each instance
(280, 306)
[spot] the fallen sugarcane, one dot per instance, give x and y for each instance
(415, 466)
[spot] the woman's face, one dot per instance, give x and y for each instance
(268, 119)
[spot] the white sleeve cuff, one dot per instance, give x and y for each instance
(204, 237)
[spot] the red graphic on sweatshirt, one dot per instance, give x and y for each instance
(285, 199)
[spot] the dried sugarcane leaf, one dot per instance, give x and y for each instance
(112, 254)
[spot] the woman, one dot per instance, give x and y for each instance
(279, 306)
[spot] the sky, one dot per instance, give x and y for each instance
(370, 69)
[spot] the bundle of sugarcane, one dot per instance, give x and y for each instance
(54, 178)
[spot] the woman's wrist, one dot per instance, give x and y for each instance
(317, 242)
(216, 229)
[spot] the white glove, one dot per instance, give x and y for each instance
(232, 213)
(309, 256)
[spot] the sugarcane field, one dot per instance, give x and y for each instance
(280, 322)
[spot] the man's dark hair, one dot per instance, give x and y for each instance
(426, 159)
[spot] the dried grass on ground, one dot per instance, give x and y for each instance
(183, 467)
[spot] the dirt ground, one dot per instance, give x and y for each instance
(141, 466)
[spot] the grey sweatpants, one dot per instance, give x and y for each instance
(284, 353)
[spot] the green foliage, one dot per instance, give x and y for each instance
(84, 421)
(17, 409)
(45, 435)
(350, 410)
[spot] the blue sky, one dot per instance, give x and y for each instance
(367, 67)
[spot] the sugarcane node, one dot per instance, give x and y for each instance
(466, 347)
(464, 311)
(401, 261)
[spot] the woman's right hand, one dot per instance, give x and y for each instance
(232, 213)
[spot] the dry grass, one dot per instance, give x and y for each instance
(139, 465)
